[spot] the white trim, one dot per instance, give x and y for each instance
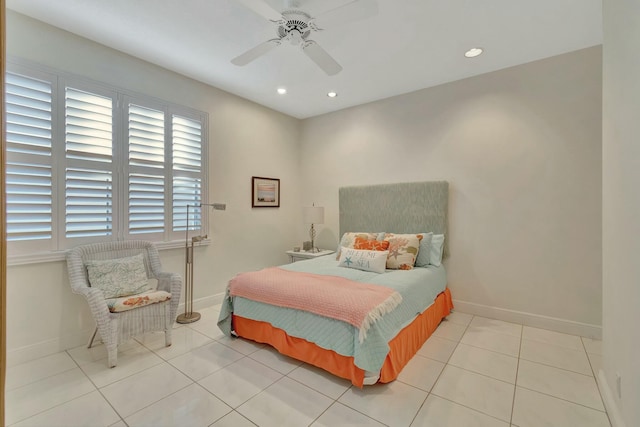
(205, 302)
(531, 319)
(66, 342)
(609, 402)
(36, 258)
(46, 348)
(56, 256)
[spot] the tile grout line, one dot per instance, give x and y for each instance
(596, 379)
(234, 410)
(470, 408)
(488, 349)
(557, 367)
(447, 363)
(317, 391)
(445, 367)
(557, 345)
(171, 394)
(43, 378)
(483, 375)
(98, 389)
(561, 398)
(515, 385)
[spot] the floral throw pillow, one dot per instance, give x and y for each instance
(403, 250)
(348, 240)
(370, 245)
(118, 277)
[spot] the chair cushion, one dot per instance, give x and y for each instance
(118, 305)
(118, 277)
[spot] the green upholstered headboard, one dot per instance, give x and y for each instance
(412, 207)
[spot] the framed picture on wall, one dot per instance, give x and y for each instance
(265, 192)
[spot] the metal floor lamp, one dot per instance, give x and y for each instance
(190, 316)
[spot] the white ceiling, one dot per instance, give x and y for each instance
(409, 45)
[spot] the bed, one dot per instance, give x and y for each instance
(324, 328)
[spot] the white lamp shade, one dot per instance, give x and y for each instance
(313, 215)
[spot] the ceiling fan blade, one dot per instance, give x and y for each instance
(321, 57)
(354, 11)
(263, 9)
(256, 52)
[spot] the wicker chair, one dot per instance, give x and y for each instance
(118, 327)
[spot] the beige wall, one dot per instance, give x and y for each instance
(521, 149)
(621, 211)
(245, 140)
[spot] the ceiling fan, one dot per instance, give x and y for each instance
(294, 26)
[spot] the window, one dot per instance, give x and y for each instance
(89, 163)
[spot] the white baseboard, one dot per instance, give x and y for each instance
(530, 319)
(47, 347)
(58, 344)
(609, 401)
(205, 302)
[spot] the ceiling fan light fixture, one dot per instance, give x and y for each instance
(295, 26)
(282, 90)
(332, 94)
(473, 52)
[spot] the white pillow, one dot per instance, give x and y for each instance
(119, 277)
(374, 261)
(422, 260)
(437, 246)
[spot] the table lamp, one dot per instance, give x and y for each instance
(313, 215)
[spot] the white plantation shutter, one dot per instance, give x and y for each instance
(146, 170)
(186, 191)
(89, 206)
(146, 137)
(29, 158)
(186, 147)
(89, 164)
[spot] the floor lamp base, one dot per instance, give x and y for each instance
(188, 317)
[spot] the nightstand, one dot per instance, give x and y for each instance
(299, 256)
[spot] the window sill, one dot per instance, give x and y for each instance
(57, 256)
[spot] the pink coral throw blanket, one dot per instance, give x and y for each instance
(359, 304)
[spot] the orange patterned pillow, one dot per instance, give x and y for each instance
(348, 240)
(370, 245)
(403, 250)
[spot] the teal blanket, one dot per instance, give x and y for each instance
(419, 288)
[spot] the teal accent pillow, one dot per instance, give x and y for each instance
(425, 250)
(437, 246)
(119, 277)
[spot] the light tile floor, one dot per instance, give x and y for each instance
(474, 372)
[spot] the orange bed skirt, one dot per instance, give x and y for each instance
(402, 347)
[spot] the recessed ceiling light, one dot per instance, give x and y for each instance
(332, 94)
(282, 90)
(472, 53)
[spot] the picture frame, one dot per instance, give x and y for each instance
(265, 192)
